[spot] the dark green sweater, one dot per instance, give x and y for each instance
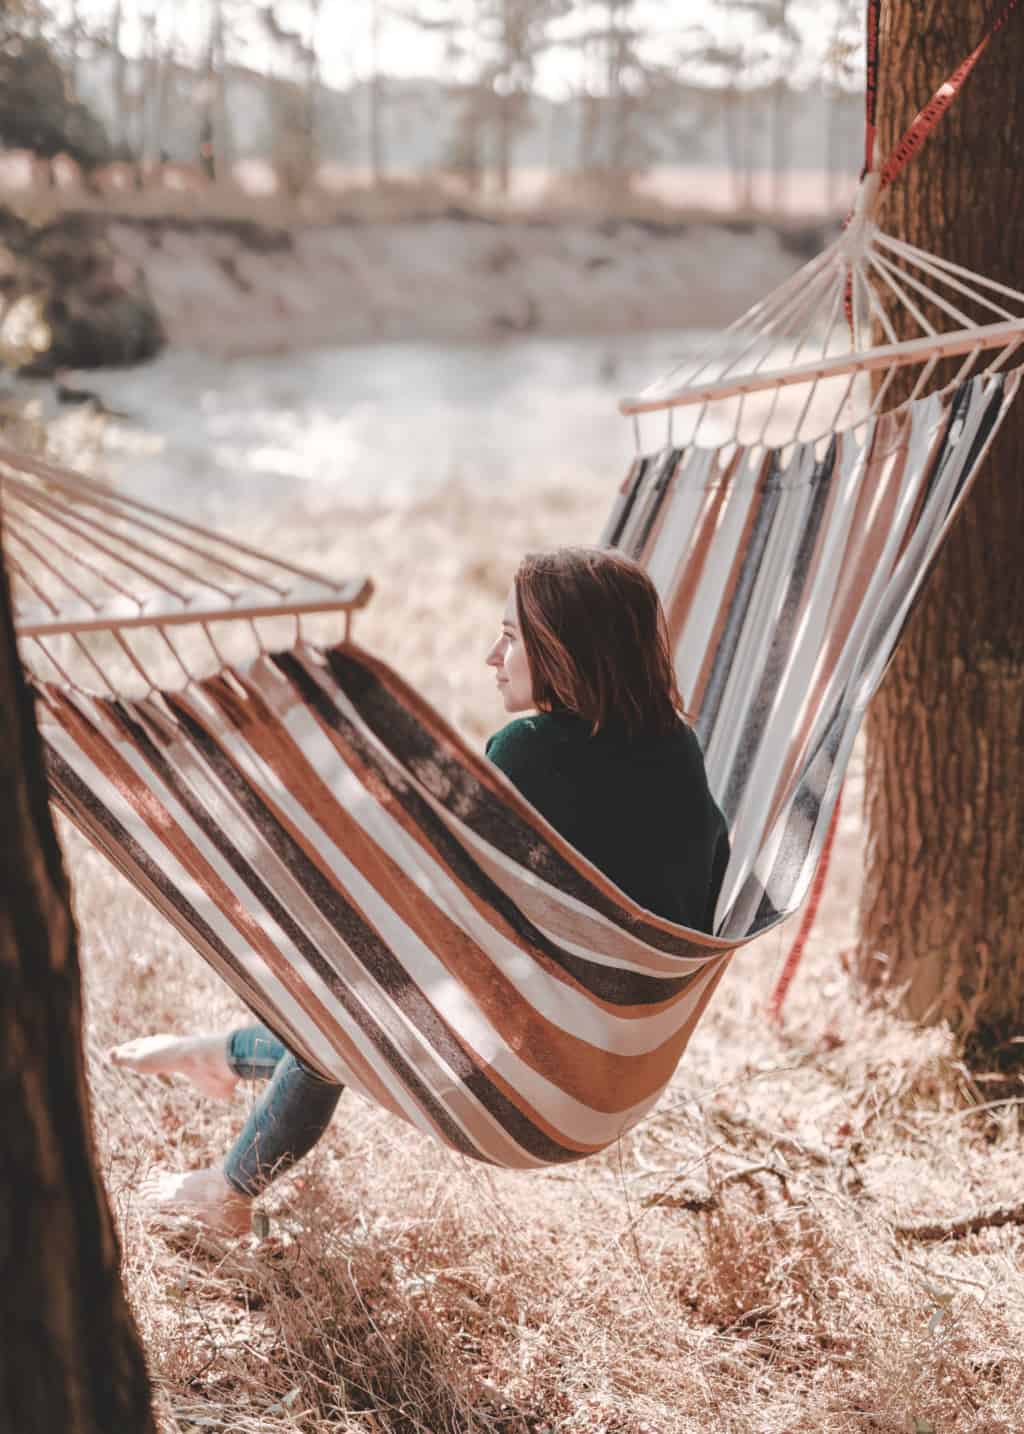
(641, 811)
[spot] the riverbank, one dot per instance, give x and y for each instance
(110, 286)
(234, 288)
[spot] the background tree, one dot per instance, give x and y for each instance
(73, 34)
(214, 140)
(726, 71)
(38, 110)
(375, 99)
(844, 51)
(634, 104)
(765, 61)
(491, 50)
(116, 41)
(70, 1358)
(293, 98)
(943, 902)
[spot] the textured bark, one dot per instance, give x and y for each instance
(943, 904)
(70, 1359)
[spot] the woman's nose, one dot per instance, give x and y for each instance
(493, 658)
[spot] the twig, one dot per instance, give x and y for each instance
(788, 1143)
(970, 1225)
(987, 1106)
(666, 1201)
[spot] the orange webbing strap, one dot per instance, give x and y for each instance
(939, 103)
(796, 951)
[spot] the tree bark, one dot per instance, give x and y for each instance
(943, 902)
(70, 1358)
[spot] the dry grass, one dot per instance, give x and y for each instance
(732, 1268)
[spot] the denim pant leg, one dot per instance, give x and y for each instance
(253, 1052)
(283, 1126)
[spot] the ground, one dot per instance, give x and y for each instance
(753, 1259)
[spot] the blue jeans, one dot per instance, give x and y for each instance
(289, 1117)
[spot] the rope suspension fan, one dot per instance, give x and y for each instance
(836, 333)
(793, 350)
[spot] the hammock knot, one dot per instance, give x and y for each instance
(860, 227)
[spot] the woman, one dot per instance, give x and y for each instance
(606, 758)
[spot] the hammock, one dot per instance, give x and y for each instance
(380, 894)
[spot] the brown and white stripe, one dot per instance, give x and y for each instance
(383, 898)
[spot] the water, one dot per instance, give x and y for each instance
(372, 423)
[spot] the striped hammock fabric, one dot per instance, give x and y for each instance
(384, 899)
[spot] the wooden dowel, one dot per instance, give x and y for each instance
(247, 606)
(951, 345)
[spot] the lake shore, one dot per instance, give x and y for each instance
(111, 284)
(231, 289)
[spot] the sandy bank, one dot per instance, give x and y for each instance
(231, 288)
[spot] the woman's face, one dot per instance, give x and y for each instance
(508, 658)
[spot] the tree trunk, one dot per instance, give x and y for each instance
(120, 125)
(730, 101)
(221, 139)
(164, 91)
(373, 95)
(70, 1358)
(73, 33)
(780, 146)
(615, 143)
(503, 157)
(313, 90)
(833, 100)
(943, 902)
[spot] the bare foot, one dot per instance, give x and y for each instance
(204, 1195)
(203, 1059)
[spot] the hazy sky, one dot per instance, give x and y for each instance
(406, 49)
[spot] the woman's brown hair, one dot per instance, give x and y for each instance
(596, 640)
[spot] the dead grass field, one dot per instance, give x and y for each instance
(736, 1266)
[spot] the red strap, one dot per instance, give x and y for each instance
(796, 951)
(939, 103)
